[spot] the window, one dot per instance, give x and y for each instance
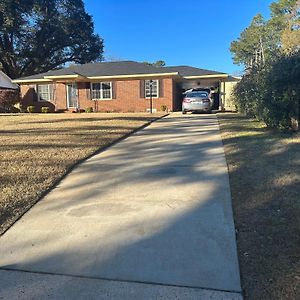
(101, 90)
(197, 95)
(154, 90)
(45, 92)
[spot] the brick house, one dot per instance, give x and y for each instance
(122, 86)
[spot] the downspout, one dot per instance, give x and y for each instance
(220, 95)
(224, 99)
(77, 96)
(54, 95)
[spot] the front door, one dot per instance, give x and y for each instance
(72, 95)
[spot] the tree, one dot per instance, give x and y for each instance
(291, 33)
(251, 48)
(270, 89)
(39, 35)
(265, 40)
(158, 63)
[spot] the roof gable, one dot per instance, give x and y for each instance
(5, 82)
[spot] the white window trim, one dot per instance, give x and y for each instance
(49, 93)
(155, 97)
(101, 90)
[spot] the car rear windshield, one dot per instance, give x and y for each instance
(197, 95)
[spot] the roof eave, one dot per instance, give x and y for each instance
(80, 77)
(206, 76)
(30, 80)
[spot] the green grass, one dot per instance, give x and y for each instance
(264, 171)
(38, 149)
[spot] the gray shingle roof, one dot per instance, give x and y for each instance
(191, 71)
(121, 68)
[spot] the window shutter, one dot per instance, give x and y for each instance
(35, 93)
(114, 89)
(161, 88)
(88, 90)
(51, 91)
(142, 88)
(54, 91)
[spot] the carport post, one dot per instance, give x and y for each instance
(221, 93)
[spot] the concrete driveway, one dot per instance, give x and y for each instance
(148, 218)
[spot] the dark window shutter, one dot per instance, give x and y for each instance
(35, 93)
(51, 90)
(88, 90)
(54, 91)
(142, 88)
(161, 88)
(114, 89)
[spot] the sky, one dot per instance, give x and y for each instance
(191, 32)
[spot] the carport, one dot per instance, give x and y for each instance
(191, 78)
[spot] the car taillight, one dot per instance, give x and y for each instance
(186, 100)
(205, 100)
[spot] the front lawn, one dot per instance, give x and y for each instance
(38, 149)
(264, 171)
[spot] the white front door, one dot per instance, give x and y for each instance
(72, 95)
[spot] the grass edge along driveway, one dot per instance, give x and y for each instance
(264, 172)
(38, 150)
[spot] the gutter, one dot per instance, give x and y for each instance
(79, 77)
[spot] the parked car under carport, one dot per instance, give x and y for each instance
(197, 101)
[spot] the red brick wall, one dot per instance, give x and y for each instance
(127, 94)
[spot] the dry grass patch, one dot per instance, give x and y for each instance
(37, 150)
(264, 171)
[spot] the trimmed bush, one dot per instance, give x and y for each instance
(45, 109)
(31, 109)
(89, 110)
(164, 107)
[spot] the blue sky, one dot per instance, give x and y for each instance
(191, 32)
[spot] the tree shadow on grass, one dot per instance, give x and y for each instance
(147, 211)
(265, 183)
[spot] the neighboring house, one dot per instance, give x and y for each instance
(9, 93)
(122, 86)
(6, 82)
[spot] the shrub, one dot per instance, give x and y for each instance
(89, 110)
(164, 107)
(31, 109)
(272, 93)
(8, 98)
(21, 107)
(45, 109)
